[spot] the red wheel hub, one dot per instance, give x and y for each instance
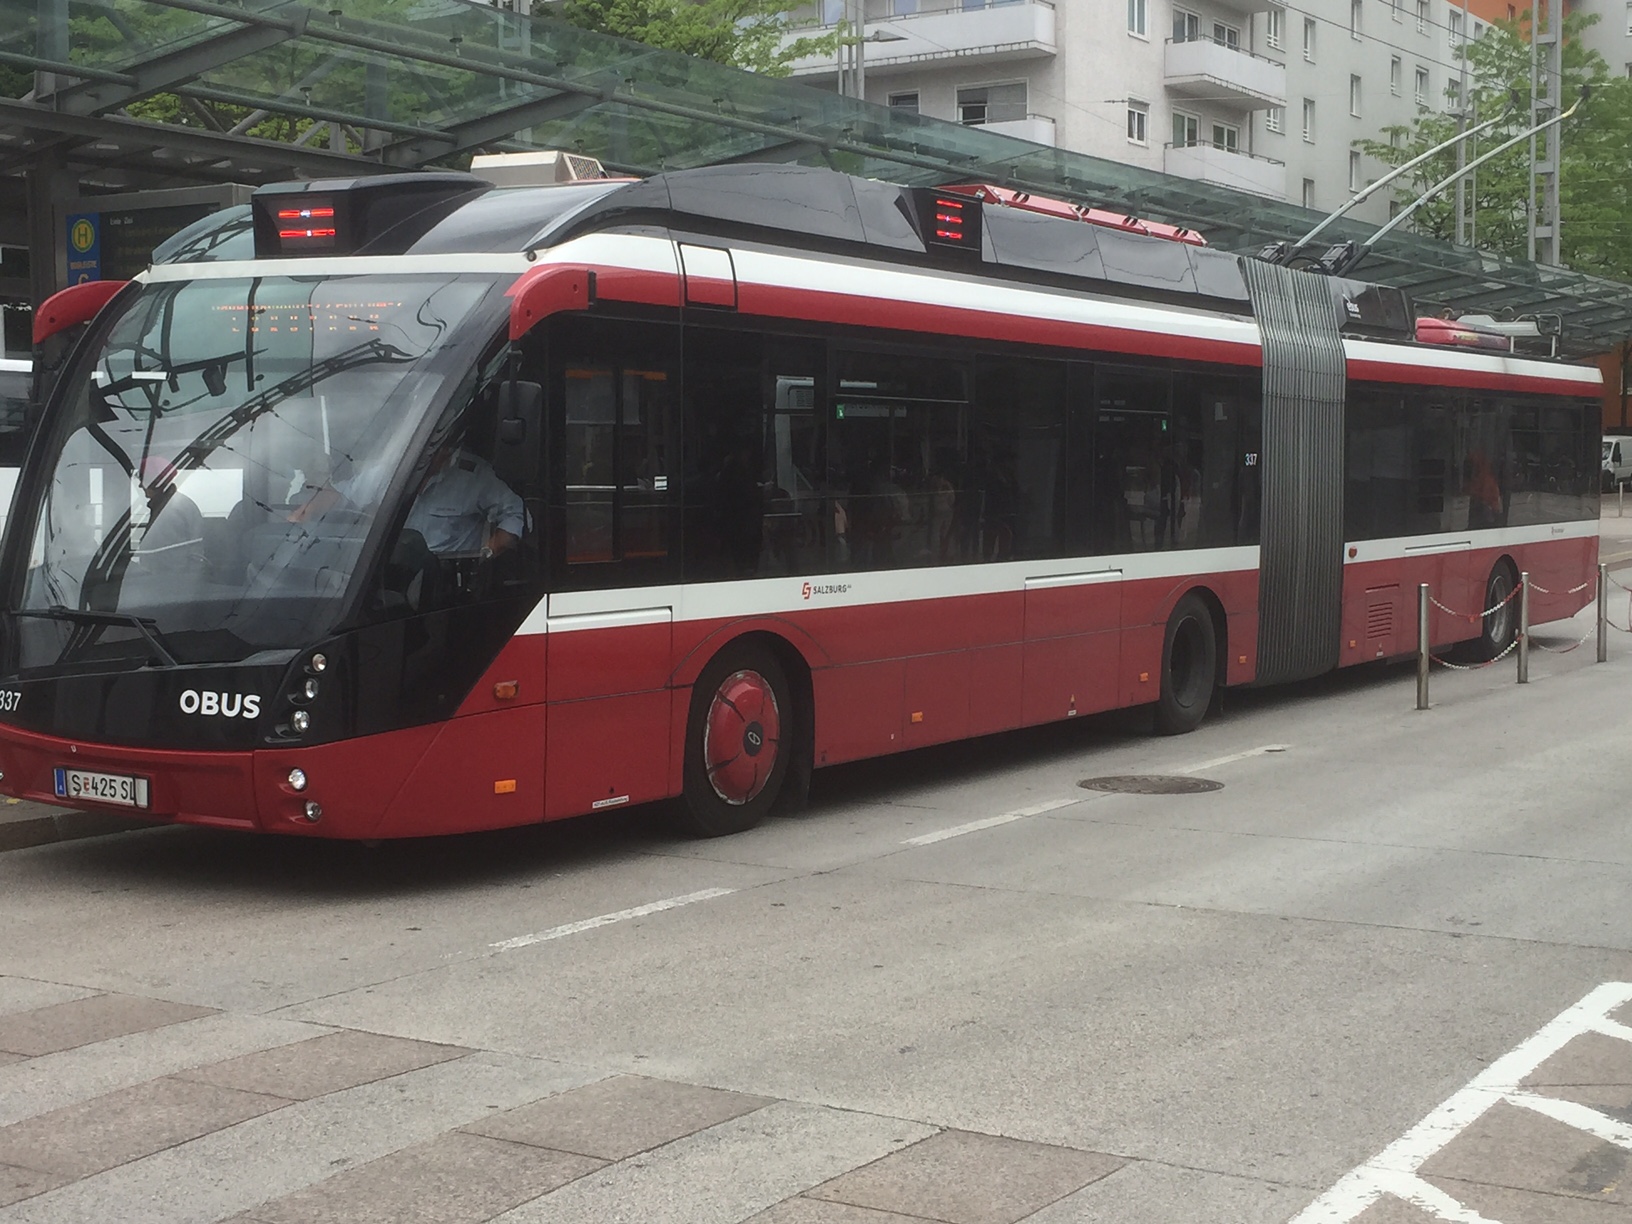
(741, 737)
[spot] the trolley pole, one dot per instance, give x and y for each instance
(1603, 611)
(1524, 627)
(1422, 646)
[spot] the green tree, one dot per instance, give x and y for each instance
(743, 33)
(1595, 173)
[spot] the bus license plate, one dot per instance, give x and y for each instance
(126, 790)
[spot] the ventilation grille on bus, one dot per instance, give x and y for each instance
(1380, 620)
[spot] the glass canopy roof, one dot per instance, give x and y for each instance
(372, 85)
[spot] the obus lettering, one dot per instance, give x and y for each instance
(221, 705)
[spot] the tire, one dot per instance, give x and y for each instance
(1502, 625)
(739, 741)
(1189, 668)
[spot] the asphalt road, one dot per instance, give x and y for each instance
(959, 988)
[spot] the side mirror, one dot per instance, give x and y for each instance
(518, 458)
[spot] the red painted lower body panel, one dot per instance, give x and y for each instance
(603, 720)
(1380, 597)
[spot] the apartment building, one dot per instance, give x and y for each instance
(1610, 35)
(1263, 97)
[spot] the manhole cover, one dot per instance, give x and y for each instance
(1151, 784)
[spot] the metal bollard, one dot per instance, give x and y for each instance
(1422, 646)
(1603, 611)
(1524, 627)
(1620, 510)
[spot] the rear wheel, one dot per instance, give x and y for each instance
(739, 740)
(1501, 619)
(1189, 667)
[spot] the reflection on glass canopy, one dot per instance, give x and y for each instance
(366, 85)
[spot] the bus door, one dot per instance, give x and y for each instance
(612, 530)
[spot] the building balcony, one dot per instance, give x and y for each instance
(1039, 129)
(1202, 68)
(944, 31)
(1225, 167)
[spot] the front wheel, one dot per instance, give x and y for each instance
(1189, 667)
(739, 740)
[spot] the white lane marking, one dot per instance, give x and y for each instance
(991, 822)
(1054, 805)
(589, 924)
(1581, 1117)
(1394, 1169)
(1234, 756)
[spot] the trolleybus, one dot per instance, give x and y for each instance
(415, 505)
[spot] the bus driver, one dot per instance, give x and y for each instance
(463, 507)
(460, 508)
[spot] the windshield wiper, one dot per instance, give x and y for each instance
(145, 625)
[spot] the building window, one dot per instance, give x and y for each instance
(1456, 25)
(1136, 17)
(1354, 170)
(1422, 16)
(1309, 120)
(1394, 10)
(1275, 19)
(1186, 26)
(1629, 19)
(1308, 193)
(1227, 35)
(906, 103)
(1354, 95)
(832, 12)
(1275, 117)
(1422, 87)
(992, 104)
(1453, 95)
(1512, 13)
(1309, 39)
(1186, 130)
(1227, 137)
(1395, 71)
(1138, 123)
(1354, 18)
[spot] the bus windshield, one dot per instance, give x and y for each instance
(220, 459)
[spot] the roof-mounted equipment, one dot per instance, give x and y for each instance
(541, 169)
(342, 216)
(1009, 198)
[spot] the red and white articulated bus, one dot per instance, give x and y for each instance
(413, 505)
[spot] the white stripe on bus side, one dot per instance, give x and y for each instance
(779, 596)
(1400, 547)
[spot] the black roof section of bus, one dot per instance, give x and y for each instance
(803, 207)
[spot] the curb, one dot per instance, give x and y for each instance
(26, 832)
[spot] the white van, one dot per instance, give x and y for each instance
(16, 384)
(1617, 460)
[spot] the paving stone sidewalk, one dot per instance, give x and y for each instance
(147, 1110)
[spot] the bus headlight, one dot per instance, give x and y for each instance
(297, 779)
(319, 663)
(308, 690)
(300, 721)
(314, 811)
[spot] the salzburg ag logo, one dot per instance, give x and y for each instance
(828, 588)
(224, 705)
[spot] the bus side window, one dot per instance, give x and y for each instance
(1018, 445)
(899, 465)
(613, 450)
(1138, 474)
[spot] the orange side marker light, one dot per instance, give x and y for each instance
(504, 786)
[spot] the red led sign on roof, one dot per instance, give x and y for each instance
(948, 220)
